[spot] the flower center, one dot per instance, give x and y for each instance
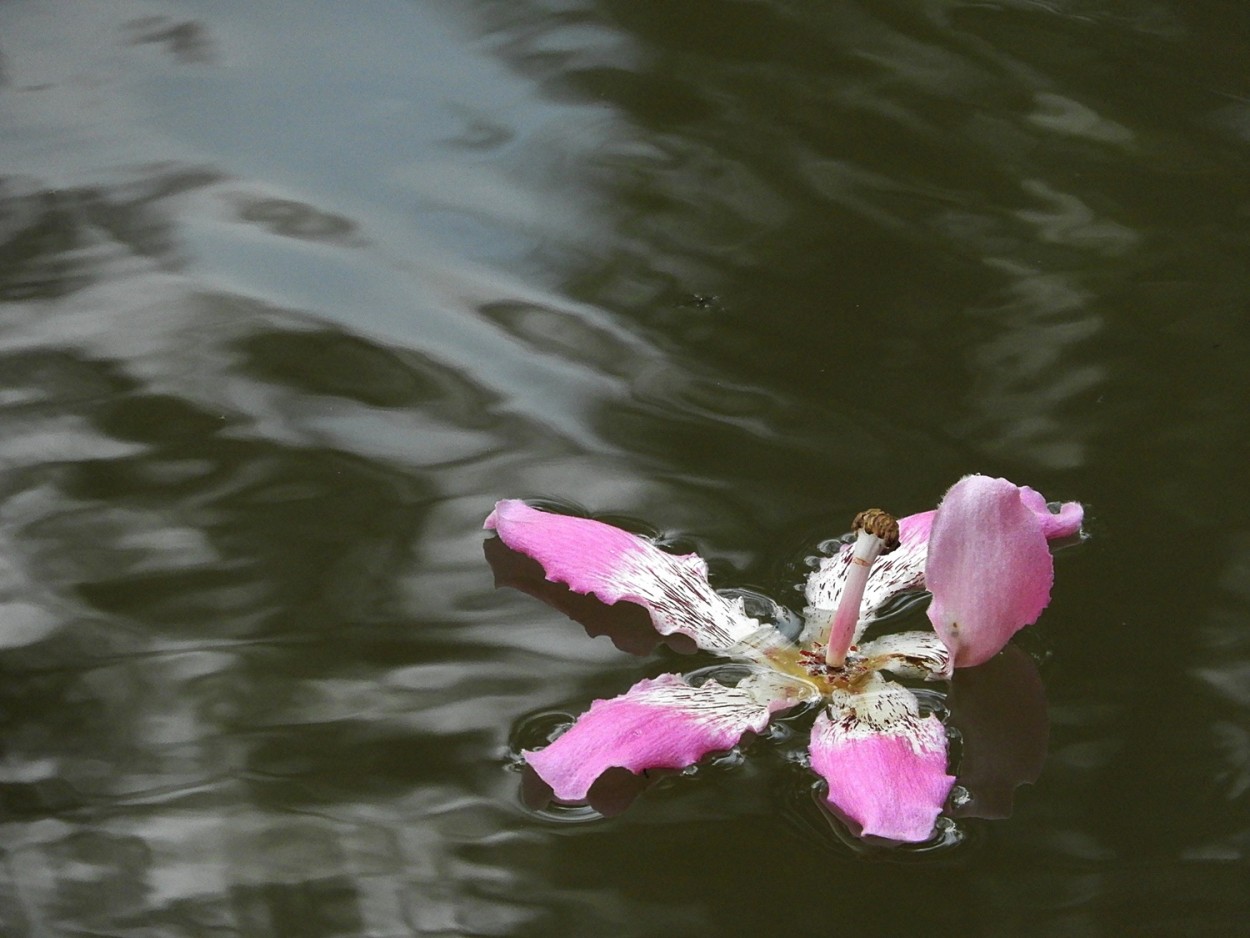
(848, 677)
(808, 666)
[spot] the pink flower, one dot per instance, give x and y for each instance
(982, 553)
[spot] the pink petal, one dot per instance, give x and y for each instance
(885, 764)
(657, 724)
(627, 625)
(989, 568)
(914, 529)
(1054, 526)
(597, 558)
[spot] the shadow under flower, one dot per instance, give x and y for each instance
(611, 794)
(626, 624)
(999, 709)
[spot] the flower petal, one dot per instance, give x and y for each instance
(627, 624)
(593, 557)
(657, 724)
(895, 572)
(989, 568)
(885, 764)
(1064, 524)
(920, 655)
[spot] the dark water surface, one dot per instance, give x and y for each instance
(290, 294)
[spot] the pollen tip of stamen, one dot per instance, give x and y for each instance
(878, 522)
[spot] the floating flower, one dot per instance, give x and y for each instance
(984, 556)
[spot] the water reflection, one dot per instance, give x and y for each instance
(207, 502)
(1000, 710)
(860, 91)
(286, 301)
(1223, 670)
(187, 41)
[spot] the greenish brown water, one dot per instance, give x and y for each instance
(291, 294)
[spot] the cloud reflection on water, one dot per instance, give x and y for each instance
(254, 696)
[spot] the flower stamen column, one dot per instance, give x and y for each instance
(876, 534)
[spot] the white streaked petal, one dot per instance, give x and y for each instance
(909, 654)
(614, 565)
(657, 724)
